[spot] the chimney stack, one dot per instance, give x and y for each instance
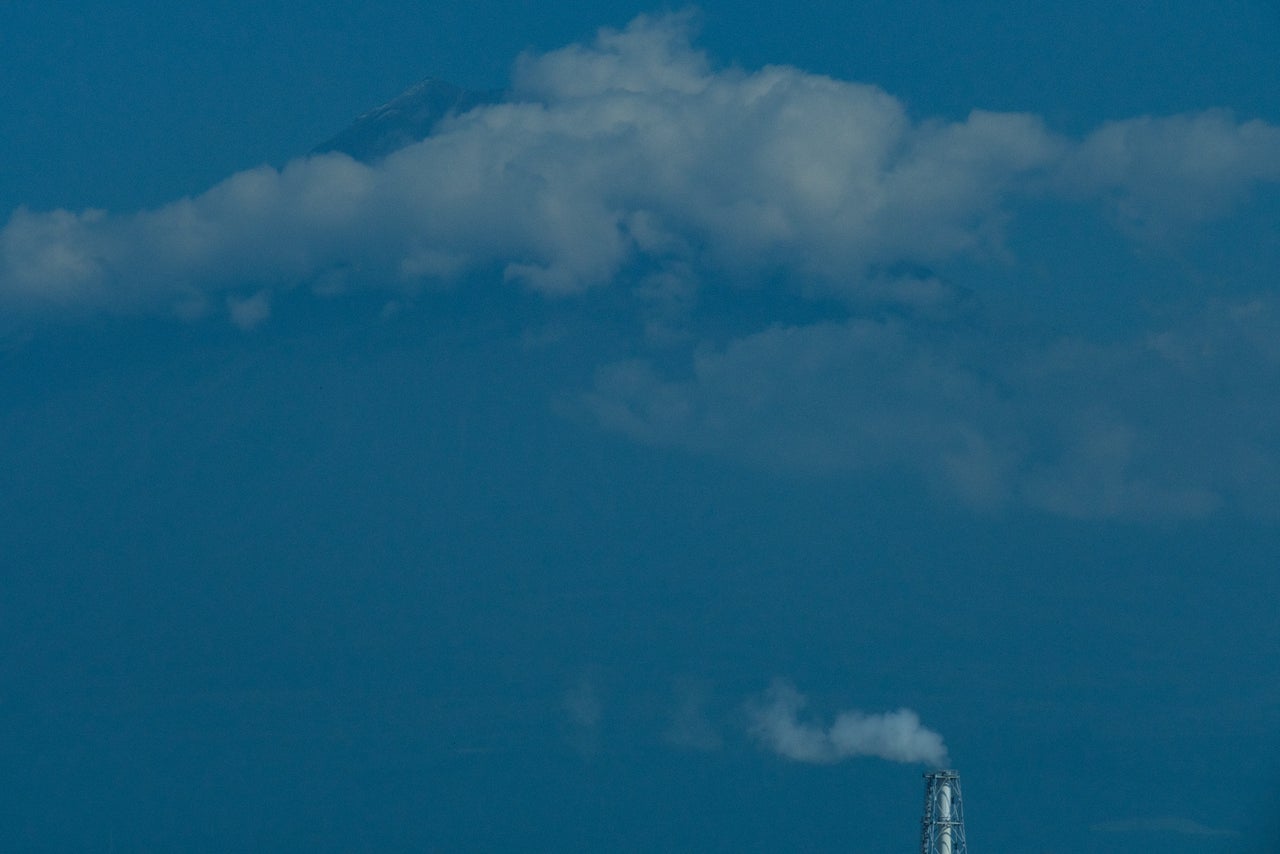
(942, 827)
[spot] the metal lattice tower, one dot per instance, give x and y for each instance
(942, 828)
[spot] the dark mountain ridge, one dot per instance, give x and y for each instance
(409, 117)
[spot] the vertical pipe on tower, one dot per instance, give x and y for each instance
(942, 826)
(944, 816)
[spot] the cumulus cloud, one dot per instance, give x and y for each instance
(1161, 172)
(635, 163)
(896, 736)
(633, 149)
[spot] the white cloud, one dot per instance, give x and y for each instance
(634, 162)
(1166, 424)
(248, 312)
(52, 258)
(842, 395)
(896, 736)
(1162, 172)
(651, 55)
(631, 148)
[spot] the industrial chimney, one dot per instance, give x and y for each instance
(942, 828)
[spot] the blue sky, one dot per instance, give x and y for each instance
(678, 455)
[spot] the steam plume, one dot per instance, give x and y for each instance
(896, 736)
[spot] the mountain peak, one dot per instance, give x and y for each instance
(405, 119)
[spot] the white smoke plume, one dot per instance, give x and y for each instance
(896, 736)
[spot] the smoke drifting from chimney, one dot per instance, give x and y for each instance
(896, 736)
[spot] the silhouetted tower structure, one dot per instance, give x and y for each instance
(942, 828)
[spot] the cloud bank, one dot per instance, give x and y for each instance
(1167, 424)
(632, 150)
(634, 164)
(895, 736)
